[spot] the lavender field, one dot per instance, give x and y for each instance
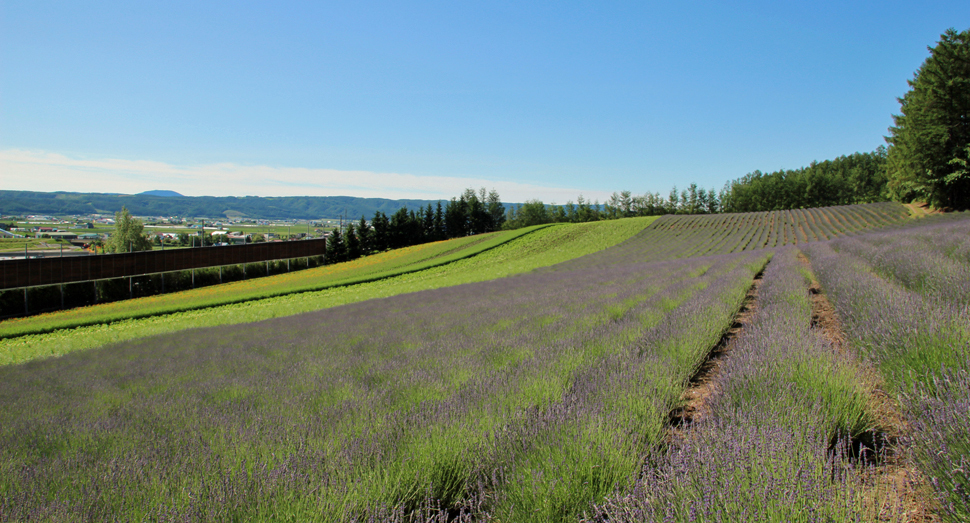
(904, 297)
(543, 396)
(776, 443)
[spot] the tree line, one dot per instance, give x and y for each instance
(623, 204)
(857, 178)
(470, 213)
(479, 212)
(929, 153)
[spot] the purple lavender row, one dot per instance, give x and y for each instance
(680, 236)
(771, 447)
(916, 330)
(621, 407)
(933, 260)
(907, 335)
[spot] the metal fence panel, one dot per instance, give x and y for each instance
(50, 271)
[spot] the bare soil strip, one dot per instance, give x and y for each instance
(703, 384)
(899, 493)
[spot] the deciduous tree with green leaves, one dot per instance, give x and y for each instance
(129, 234)
(930, 141)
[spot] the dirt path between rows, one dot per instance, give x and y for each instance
(899, 493)
(703, 384)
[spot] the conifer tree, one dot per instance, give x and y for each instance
(379, 238)
(364, 236)
(930, 140)
(427, 224)
(352, 243)
(496, 210)
(336, 250)
(439, 223)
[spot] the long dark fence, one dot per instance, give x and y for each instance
(51, 271)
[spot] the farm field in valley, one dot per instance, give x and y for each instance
(539, 380)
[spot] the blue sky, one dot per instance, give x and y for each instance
(541, 100)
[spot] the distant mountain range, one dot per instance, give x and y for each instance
(171, 203)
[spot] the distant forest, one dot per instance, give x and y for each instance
(857, 178)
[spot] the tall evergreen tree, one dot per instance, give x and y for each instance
(456, 217)
(612, 205)
(439, 223)
(713, 205)
(584, 211)
(415, 229)
(427, 223)
(352, 243)
(336, 250)
(364, 236)
(380, 240)
(672, 201)
(397, 230)
(930, 140)
(479, 220)
(496, 210)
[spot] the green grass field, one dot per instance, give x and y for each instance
(16, 245)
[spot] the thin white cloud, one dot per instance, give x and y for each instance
(45, 171)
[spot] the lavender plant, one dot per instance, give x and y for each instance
(940, 408)
(903, 332)
(932, 260)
